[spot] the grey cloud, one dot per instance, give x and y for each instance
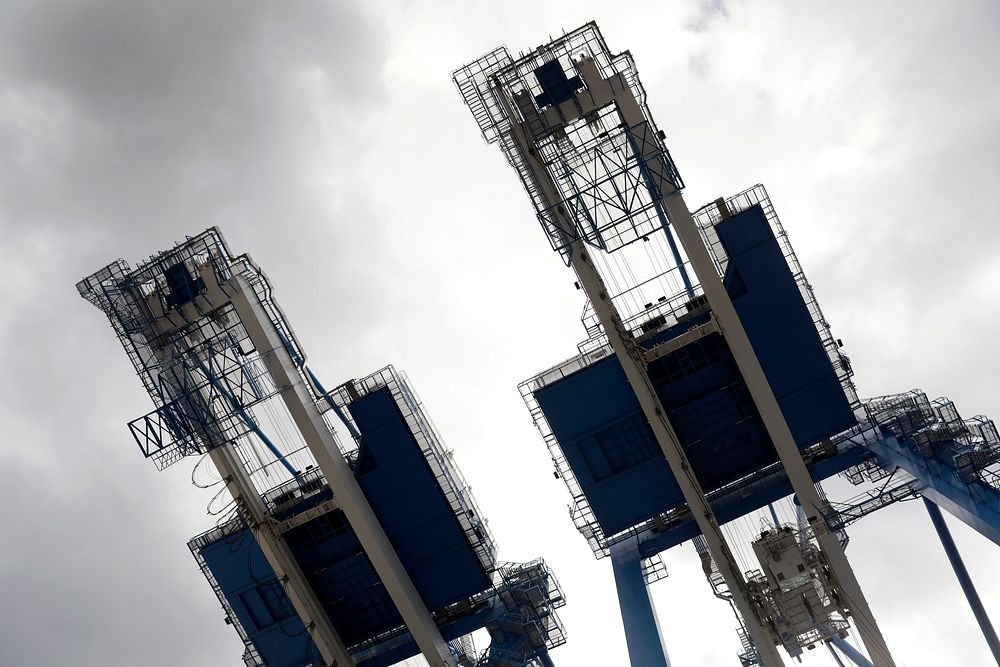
(125, 117)
(86, 584)
(706, 13)
(123, 127)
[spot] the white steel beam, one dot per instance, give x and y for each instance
(777, 428)
(339, 476)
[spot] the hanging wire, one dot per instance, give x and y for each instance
(209, 470)
(228, 506)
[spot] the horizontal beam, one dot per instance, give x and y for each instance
(307, 515)
(974, 503)
(674, 344)
(733, 504)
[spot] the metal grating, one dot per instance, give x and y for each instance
(208, 384)
(708, 216)
(440, 459)
(935, 430)
(604, 170)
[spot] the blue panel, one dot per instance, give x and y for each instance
(252, 590)
(556, 88)
(416, 516)
(345, 581)
(609, 445)
(411, 506)
(782, 332)
(595, 399)
(258, 601)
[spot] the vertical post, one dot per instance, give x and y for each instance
(642, 632)
(339, 476)
(853, 654)
(963, 578)
(774, 515)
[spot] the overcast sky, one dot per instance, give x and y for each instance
(327, 140)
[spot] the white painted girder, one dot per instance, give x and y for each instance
(339, 476)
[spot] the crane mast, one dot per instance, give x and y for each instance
(571, 119)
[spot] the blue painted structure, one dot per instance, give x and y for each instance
(257, 603)
(262, 613)
(608, 444)
(410, 505)
(450, 561)
(955, 558)
(642, 632)
(556, 88)
(953, 459)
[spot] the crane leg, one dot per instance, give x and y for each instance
(963, 578)
(853, 654)
(642, 632)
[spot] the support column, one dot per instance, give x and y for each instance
(276, 551)
(774, 421)
(339, 476)
(853, 654)
(963, 578)
(642, 632)
(545, 660)
(835, 655)
(281, 560)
